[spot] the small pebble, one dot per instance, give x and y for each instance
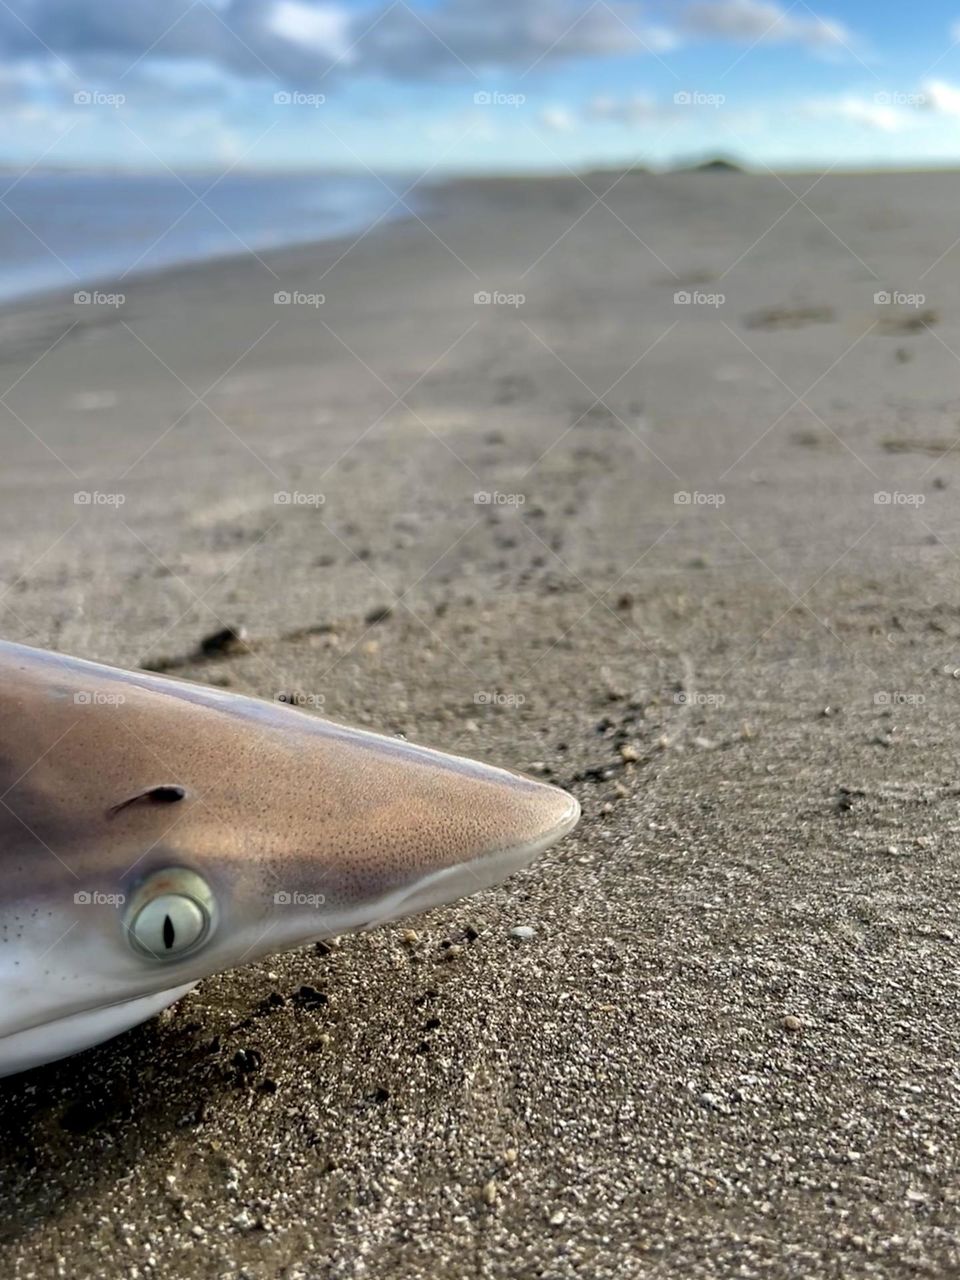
(247, 1061)
(490, 1192)
(792, 1023)
(229, 640)
(629, 753)
(558, 1218)
(379, 614)
(310, 998)
(524, 932)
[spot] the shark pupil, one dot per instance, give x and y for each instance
(169, 933)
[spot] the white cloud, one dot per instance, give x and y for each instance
(880, 112)
(750, 21)
(322, 28)
(298, 41)
(661, 39)
(941, 97)
(481, 34)
(558, 119)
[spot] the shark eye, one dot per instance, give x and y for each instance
(169, 925)
(172, 915)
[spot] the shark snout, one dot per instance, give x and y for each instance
(448, 827)
(408, 828)
(538, 819)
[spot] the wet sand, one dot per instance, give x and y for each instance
(730, 1046)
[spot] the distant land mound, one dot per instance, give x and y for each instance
(716, 164)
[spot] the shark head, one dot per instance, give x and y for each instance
(154, 832)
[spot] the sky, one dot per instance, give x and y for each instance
(476, 85)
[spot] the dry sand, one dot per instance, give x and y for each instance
(730, 1048)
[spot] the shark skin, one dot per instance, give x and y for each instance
(154, 831)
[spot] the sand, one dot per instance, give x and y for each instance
(729, 1047)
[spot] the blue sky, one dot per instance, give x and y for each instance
(476, 84)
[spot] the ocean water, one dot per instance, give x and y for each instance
(60, 230)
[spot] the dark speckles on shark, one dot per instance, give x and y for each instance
(154, 832)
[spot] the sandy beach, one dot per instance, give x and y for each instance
(668, 517)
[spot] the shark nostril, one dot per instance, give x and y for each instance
(167, 794)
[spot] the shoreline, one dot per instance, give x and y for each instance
(110, 278)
